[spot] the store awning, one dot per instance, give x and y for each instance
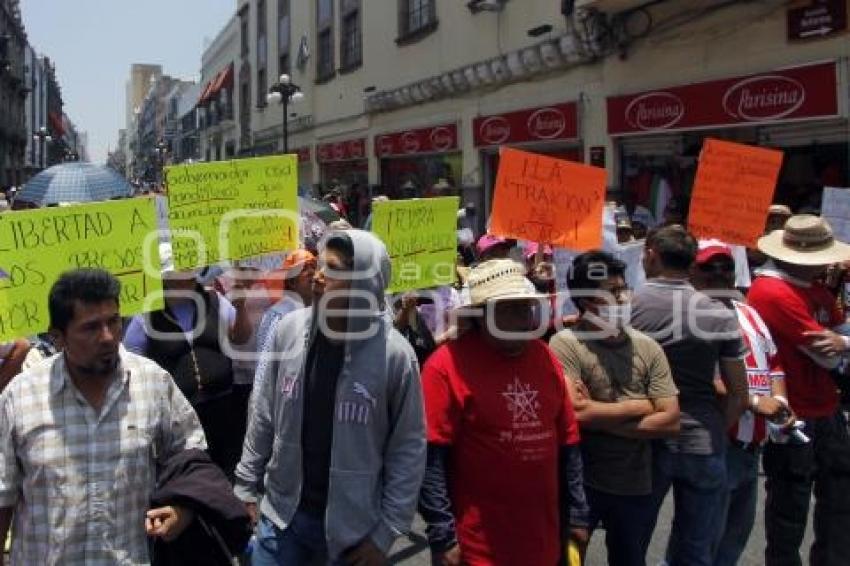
(222, 79)
(56, 124)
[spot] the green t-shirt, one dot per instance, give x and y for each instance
(632, 368)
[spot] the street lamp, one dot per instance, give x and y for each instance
(285, 92)
(42, 135)
(161, 150)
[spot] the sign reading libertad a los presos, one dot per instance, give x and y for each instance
(36, 246)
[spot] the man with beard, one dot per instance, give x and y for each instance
(81, 435)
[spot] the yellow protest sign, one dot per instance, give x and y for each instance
(232, 210)
(421, 238)
(36, 246)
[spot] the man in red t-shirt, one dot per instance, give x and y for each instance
(504, 478)
(800, 314)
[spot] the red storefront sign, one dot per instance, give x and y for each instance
(439, 139)
(556, 122)
(792, 94)
(303, 154)
(349, 150)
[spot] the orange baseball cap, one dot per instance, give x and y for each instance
(290, 267)
(297, 259)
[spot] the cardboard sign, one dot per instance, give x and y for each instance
(733, 189)
(547, 200)
(835, 209)
(421, 238)
(36, 246)
(232, 210)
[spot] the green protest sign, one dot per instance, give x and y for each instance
(232, 210)
(421, 238)
(36, 246)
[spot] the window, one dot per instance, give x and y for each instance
(261, 17)
(245, 34)
(283, 36)
(245, 104)
(417, 17)
(262, 88)
(262, 54)
(325, 13)
(351, 53)
(325, 33)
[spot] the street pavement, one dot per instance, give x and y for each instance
(413, 551)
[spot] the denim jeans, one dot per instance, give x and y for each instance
(301, 543)
(698, 483)
(793, 472)
(627, 520)
(739, 504)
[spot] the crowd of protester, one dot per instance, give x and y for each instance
(305, 416)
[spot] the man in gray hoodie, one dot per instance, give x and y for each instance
(336, 436)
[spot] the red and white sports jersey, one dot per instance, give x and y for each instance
(762, 369)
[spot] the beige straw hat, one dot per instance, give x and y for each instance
(805, 240)
(499, 280)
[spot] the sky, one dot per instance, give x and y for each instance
(94, 42)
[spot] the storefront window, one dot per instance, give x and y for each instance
(662, 182)
(416, 177)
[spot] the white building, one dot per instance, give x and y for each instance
(429, 90)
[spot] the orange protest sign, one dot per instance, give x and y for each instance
(548, 200)
(733, 189)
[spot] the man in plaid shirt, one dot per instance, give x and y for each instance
(81, 434)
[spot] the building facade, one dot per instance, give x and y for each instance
(142, 75)
(13, 94)
(186, 143)
(218, 108)
(35, 112)
(429, 90)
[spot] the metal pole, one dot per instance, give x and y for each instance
(285, 123)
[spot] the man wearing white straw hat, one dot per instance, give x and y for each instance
(503, 483)
(801, 315)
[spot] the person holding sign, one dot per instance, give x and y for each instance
(82, 435)
(504, 478)
(190, 338)
(336, 436)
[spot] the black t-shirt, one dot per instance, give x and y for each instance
(324, 363)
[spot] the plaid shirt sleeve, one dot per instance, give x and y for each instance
(182, 429)
(10, 472)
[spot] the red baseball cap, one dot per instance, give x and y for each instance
(708, 249)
